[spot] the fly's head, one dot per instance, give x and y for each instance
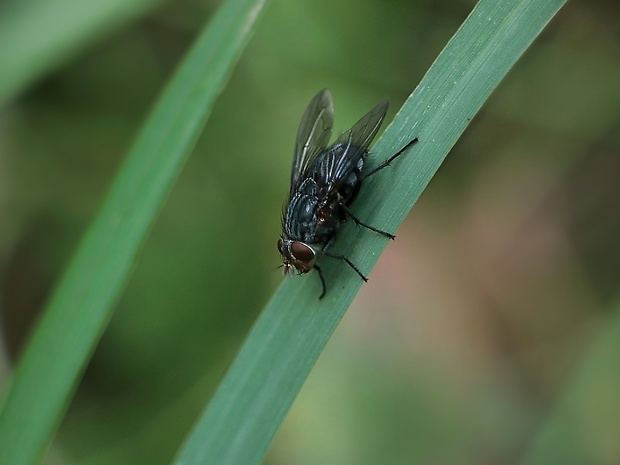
(297, 256)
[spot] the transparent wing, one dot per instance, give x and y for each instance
(313, 136)
(364, 131)
(355, 143)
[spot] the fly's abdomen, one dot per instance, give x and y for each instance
(345, 162)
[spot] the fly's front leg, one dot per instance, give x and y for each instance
(320, 271)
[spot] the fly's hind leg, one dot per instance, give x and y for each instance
(350, 214)
(389, 160)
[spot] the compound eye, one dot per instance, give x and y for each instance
(302, 252)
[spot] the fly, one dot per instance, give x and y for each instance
(324, 183)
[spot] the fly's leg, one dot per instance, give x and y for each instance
(342, 258)
(318, 269)
(367, 226)
(356, 220)
(388, 161)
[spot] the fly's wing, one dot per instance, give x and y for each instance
(355, 143)
(313, 136)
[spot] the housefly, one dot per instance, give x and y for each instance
(324, 183)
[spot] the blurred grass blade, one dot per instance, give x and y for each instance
(83, 302)
(37, 36)
(584, 428)
(285, 342)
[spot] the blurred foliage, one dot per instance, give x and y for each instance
(474, 320)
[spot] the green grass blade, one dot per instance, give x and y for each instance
(36, 36)
(84, 300)
(285, 342)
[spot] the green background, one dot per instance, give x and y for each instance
(474, 320)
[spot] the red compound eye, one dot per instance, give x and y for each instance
(302, 252)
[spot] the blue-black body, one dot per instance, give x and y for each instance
(314, 212)
(324, 183)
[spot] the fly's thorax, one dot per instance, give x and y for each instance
(300, 216)
(297, 256)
